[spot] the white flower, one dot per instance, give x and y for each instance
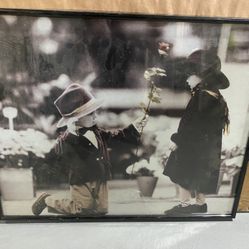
(154, 165)
(22, 142)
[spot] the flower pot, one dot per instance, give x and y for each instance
(16, 184)
(146, 185)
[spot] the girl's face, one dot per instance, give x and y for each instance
(193, 80)
(87, 121)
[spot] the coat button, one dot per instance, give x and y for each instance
(97, 159)
(90, 144)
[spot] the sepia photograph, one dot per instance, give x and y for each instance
(121, 116)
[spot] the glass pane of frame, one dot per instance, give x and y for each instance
(113, 117)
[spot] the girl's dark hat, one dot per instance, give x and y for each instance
(75, 102)
(207, 65)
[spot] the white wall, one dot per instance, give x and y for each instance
(192, 235)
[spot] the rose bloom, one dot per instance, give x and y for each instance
(164, 46)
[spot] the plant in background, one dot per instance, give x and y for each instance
(144, 172)
(231, 159)
(17, 146)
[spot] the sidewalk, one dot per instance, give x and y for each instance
(125, 199)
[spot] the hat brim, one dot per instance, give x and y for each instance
(219, 79)
(93, 107)
(216, 80)
(222, 80)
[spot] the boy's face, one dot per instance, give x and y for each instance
(87, 121)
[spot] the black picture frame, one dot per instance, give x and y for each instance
(127, 217)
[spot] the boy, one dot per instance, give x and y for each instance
(84, 149)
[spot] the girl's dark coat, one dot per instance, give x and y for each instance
(195, 164)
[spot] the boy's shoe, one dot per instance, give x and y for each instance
(84, 212)
(39, 205)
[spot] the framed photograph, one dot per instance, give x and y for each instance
(117, 117)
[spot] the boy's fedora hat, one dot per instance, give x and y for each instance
(75, 102)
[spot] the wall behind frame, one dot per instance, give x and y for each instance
(212, 8)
